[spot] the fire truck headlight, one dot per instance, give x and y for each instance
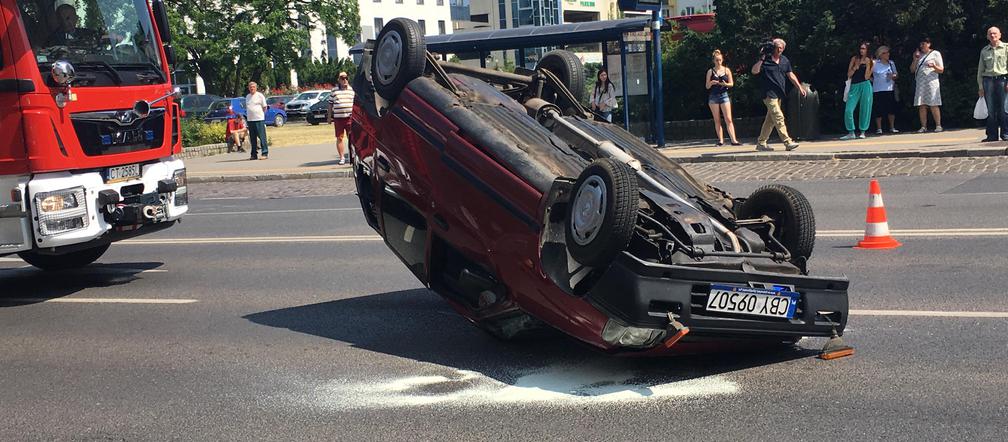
(181, 192)
(61, 210)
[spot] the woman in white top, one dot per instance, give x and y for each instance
(883, 89)
(926, 65)
(603, 99)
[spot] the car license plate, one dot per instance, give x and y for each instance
(752, 301)
(122, 173)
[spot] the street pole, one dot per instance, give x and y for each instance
(659, 119)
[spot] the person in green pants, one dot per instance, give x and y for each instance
(859, 72)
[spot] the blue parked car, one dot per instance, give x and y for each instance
(219, 111)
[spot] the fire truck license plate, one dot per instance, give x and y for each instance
(122, 173)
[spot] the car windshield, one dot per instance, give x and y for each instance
(220, 104)
(307, 96)
(274, 100)
(105, 36)
(191, 101)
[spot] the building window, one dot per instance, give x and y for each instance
(440, 2)
(398, 2)
(419, 2)
(423, 25)
(441, 27)
(502, 14)
(378, 23)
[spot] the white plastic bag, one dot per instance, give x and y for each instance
(980, 110)
(846, 90)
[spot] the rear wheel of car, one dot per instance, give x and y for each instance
(794, 222)
(278, 120)
(65, 261)
(399, 57)
(312, 120)
(568, 68)
(602, 212)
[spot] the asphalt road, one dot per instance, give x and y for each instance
(249, 332)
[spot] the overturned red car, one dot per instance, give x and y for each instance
(503, 194)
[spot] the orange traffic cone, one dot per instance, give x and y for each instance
(876, 235)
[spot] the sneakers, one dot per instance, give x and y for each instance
(861, 135)
(893, 131)
(763, 148)
(878, 131)
(790, 146)
(341, 162)
(922, 130)
(849, 136)
(938, 129)
(264, 157)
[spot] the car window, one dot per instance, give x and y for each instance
(307, 96)
(220, 105)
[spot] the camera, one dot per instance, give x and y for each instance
(767, 48)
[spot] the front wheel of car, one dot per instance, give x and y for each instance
(602, 212)
(312, 120)
(567, 67)
(399, 57)
(794, 222)
(278, 120)
(65, 261)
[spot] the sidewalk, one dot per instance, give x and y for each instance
(950, 143)
(319, 160)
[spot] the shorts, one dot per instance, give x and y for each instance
(883, 103)
(341, 125)
(718, 98)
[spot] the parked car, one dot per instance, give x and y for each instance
(226, 108)
(501, 193)
(197, 105)
(298, 107)
(279, 101)
(317, 112)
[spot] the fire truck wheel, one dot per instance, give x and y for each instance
(65, 261)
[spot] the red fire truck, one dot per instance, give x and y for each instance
(89, 128)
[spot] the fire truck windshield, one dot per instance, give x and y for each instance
(112, 40)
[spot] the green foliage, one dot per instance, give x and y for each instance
(325, 73)
(822, 35)
(229, 43)
(198, 133)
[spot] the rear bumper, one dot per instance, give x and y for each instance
(642, 294)
(136, 195)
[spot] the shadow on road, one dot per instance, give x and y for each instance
(418, 325)
(28, 285)
(321, 163)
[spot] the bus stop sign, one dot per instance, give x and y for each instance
(640, 5)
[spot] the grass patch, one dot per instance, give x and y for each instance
(298, 133)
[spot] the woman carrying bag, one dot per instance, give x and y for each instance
(603, 99)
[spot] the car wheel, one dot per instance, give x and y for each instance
(399, 57)
(311, 120)
(278, 120)
(602, 212)
(568, 68)
(794, 223)
(65, 261)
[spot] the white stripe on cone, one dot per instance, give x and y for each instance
(875, 200)
(877, 229)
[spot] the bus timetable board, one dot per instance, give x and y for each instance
(640, 5)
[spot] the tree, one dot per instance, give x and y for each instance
(230, 42)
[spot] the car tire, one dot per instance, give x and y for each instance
(278, 120)
(311, 120)
(65, 261)
(400, 55)
(602, 212)
(568, 68)
(794, 221)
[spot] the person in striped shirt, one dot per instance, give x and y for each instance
(340, 107)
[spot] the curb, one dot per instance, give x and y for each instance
(270, 176)
(949, 153)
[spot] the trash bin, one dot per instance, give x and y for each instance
(802, 113)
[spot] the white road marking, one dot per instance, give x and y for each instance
(252, 240)
(263, 212)
(225, 198)
(102, 300)
(985, 231)
(929, 313)
(9, 259)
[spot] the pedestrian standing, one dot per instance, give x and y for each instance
(927, 64)
(884, 89)
(991, 72)
(774, 69)
(859, 73)
(603, 99)
(341, 101)
(255, 110)
(719, 80)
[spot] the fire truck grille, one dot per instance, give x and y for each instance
(114, 132)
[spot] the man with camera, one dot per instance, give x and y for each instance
(774, 70)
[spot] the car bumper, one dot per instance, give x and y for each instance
(642, 294)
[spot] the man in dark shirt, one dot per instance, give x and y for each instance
(774, 71)
(68, 32)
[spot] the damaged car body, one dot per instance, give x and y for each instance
(503, 194)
